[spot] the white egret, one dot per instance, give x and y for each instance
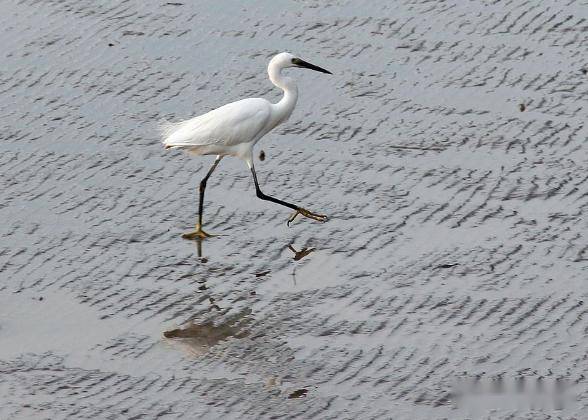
(233, 130)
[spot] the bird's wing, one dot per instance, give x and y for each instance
(231, 124)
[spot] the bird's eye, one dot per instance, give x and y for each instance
(295, 61)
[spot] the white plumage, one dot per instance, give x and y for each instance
(222, 131)
(235, 128)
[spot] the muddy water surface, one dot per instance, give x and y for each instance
(448, 149)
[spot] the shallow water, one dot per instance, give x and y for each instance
(455, 252)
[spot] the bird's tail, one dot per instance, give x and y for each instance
(174, 136)
(166, 129)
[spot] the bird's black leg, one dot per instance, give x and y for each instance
(299, 210)
(203, 187)
(199, 233)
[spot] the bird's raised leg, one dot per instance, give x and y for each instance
(199, 233)
(298, 210)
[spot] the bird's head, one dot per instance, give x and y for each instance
(285, 59)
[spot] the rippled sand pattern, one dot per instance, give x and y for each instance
(448, 148)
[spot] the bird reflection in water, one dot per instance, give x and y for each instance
(298, 255)
(199, 249)
(198, 338)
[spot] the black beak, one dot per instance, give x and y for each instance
(301, 63)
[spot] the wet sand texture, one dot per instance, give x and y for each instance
(448, 148)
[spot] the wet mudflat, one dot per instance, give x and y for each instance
(448, 149)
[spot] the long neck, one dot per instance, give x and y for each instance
(284, 108)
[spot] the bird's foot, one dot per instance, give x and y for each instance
(307, 213)
(197, 234)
